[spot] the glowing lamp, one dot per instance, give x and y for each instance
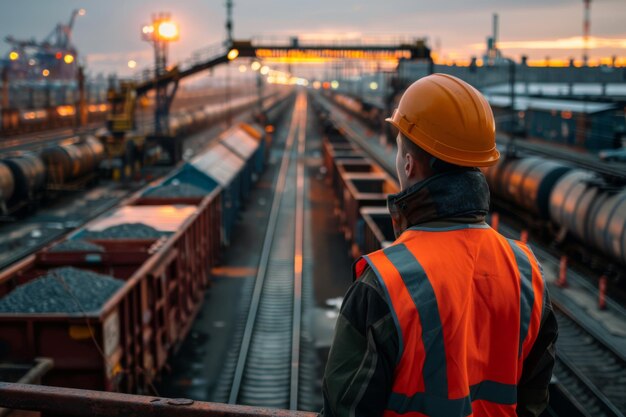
(13, 55)
(147, 33)
(232, 54)
(168, 31)
(68, 58)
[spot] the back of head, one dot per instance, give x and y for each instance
(448, 119)
(434, 165)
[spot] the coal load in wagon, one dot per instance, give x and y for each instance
(78, 245)
(176, 190)
(62, 290)
(125, 231)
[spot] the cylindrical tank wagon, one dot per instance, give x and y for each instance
(26, 177)
(527, 182)
(68, 162)
(576, 201)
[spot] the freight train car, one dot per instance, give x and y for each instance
(132, 280)
(16, 121)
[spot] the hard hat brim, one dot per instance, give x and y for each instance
(439, 149)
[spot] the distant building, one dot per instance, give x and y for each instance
(591, 125)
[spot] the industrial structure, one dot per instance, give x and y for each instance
(170, 250)
(55, 57)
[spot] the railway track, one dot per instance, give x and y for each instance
(36, 141)
(588, 365)
(593, 372)
(588, 368)
(39, 234)
(268, 366)
(616, 170)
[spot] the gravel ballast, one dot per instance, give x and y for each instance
(125, 231)
(176, 190)
(78, 245)
(49, 293)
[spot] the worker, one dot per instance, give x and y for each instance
(452, 319)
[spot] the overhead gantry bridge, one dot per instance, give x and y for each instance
(291, 50)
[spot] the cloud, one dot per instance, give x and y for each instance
(574, 42)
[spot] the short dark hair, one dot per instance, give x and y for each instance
(436, 165)
(412, 148)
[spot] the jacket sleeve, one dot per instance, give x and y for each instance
(532, 390)
(361, 362)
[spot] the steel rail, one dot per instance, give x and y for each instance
(616, 170)
(264, 262)
(298, 261)
(25, 252)
(596, 365)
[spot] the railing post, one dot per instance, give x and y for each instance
(602, 282)
(523, 236)
(495, 221)
(562, 281)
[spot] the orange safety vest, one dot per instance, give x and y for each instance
(467, 305)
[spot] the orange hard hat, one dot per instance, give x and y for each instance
(449, 119)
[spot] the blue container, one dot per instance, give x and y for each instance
(247, 148)
(257, 132)
(187, 174)
(224, 168)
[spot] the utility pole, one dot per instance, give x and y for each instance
(512, 82)
(5, 88)
(81, 111)
(228, 43)
(5, 95)
(514, 121)
(229, 22)
(586, 25)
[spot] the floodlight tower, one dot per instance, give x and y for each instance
(160, 33)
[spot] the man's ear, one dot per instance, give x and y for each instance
(409, 165)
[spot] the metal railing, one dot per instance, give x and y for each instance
(78, 403)
(197, 57)
(355, 40)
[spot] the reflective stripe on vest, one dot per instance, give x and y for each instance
(397, 266)
(527, 296)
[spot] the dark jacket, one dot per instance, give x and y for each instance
(360, 368)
